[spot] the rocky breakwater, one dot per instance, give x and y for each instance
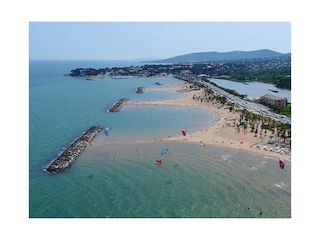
(140, 90)
(118, 105)
(65, 160)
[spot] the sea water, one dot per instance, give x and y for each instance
(117, 176)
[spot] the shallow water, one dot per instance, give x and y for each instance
(124, 180)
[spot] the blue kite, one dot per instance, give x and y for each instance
(165, 151)
(106, 131)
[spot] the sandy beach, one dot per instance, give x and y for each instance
(223, 132)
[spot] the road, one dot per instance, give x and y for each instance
(243, 104)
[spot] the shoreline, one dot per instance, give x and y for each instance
(221, 133)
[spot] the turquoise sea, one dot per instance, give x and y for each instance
(117, 177)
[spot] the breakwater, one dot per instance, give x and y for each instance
(67, 157)
(140, 90)
(118, 105)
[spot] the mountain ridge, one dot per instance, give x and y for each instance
(222, 56)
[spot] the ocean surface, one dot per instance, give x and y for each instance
(117, 176)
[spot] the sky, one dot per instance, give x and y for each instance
(152, 40)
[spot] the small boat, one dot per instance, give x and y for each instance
(159, 161)
(275, 91)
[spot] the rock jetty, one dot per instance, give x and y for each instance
(65, 160)
(118, 105)
(140, 90)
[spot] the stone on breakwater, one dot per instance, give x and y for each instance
(118, 105)
(140, 90)
(64, 161)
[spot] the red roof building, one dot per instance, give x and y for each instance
(273, 101)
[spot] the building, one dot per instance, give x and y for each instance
(273, 101)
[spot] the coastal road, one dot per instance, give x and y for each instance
(249, 106)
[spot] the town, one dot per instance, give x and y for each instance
(276, 70)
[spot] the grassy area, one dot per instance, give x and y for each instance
(284, 111)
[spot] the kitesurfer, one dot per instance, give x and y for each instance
(281, 163)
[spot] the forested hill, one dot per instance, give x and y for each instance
(222, 56)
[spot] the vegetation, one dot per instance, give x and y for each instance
(260, 124)
(275, 71)
(279, 77)
(283, 111)
(222, 56)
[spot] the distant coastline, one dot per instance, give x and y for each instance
(252, 69)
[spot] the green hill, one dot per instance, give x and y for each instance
(221, 56)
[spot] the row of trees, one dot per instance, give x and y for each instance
(259, 124)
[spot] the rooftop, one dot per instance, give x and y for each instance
(269, 96)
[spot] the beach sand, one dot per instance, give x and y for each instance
(222, 133)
